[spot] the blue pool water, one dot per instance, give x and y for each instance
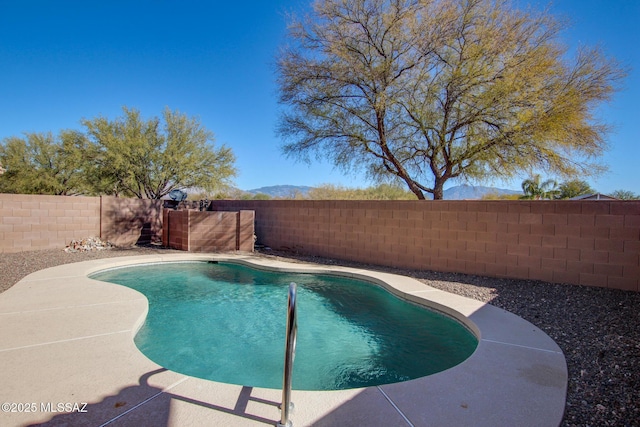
(226, 322)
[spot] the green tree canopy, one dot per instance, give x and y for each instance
(150, 158)
(425, 91)
(38, 164)
(379, 192)
(128, 156)
(625, 195)
(574, 188)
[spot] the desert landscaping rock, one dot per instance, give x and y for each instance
(88, 244)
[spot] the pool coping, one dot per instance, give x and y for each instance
(68, 356)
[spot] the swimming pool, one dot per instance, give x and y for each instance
(225, 322)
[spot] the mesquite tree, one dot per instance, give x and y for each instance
(40, 163)
(148, 158)
(424, 91)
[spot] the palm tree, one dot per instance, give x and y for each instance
(535, 190)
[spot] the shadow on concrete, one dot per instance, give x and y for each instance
(144, 404)
(367, 408)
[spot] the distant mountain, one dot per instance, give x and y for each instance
(281, 190)
(473, 192)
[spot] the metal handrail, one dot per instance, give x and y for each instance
(289, 355)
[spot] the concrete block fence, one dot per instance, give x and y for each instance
(127, 222)
(195, 231)
(593, 243)
(32, 222)
(29, 222)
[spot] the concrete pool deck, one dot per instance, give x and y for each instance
(68, 358)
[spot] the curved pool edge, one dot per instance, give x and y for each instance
(70, 338)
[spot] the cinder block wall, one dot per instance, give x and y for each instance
(246, 231)
(175, 230)
(195, 231)
(212, 231)
(128, 221)
(33, 222)
(594, 243)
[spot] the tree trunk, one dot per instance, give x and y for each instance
(417, 191)
(438, 190)
(413, 187)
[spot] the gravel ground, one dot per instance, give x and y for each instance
(597, 329)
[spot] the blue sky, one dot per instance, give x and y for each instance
(66, 60)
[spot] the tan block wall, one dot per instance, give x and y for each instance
(127, 222)
(594, 243)
(246, 231)
(212, 231)
(33, 222)
(197, 231)
(175, 230)
(165, 227)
